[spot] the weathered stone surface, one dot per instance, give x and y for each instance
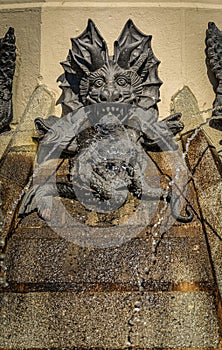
(40, 256)
(204, 164)
(168, 161)
(214, 136)
(186, 103)
(104, 320)
(179, 320)
(216, 254)
(212, 213)
(5, 139)
(48, 320)
(22, 141)
(17, 166)
(207, 170)
(10, 194)
(33, 221)
(41, 104)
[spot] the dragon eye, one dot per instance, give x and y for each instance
(121, 81)
(98, 82)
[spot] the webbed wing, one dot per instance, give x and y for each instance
(214, 62)
(7, 69)
(89, 52)
(133, 51)
(214, 49)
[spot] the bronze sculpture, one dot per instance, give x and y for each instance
(7, 69)
(107, 101)
(214, 62)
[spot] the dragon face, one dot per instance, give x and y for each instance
(110, 83)
(92, 76)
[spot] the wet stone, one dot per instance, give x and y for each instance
(101, 320)
(32, 220)
(204, 164)
(34, 257)
(5, 139)
(179, 320)
(212, 213)
(10, 194)
(168, 161)
(216, 253)
(43, 320)
(206, 172)
(17, 166)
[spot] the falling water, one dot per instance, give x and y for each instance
(156, 234)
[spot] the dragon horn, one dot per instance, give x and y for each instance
(124, 56)
(96, 58)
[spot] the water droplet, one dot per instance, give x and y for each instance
(147, 270)
(2, 280)
(5, 299)
(128, 343)
(2, 242)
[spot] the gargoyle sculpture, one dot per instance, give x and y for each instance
(92, 76)
(109, 122)
(214, 62)
(7, 69)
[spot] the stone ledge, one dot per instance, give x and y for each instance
(17, 167)
(98, 320)
(45, 262)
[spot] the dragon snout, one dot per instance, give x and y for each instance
(108, 95)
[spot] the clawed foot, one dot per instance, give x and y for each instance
(39, 198)
(176, 209)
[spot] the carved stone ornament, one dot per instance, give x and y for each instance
(214, 62)
(109, 123)
(7, 69)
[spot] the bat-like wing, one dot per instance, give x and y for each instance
(7, 69)
(88, 53)
(133, 51)
(214, 62)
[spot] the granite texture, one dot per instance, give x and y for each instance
(109, 320)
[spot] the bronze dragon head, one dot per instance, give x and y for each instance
(92, 76)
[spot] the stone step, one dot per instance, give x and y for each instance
(41, 259)
(109, 320)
